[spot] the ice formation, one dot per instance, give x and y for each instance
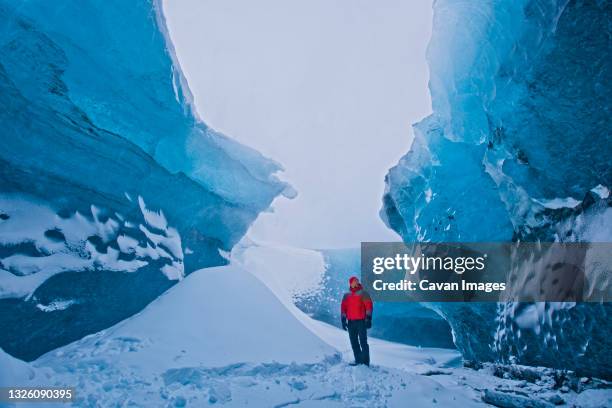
(518, 148)
(111, 187)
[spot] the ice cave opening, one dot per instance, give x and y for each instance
(329, 89)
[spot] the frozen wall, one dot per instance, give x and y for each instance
(111, 188)
(518, 148)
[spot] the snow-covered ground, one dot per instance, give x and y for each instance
(221, 336)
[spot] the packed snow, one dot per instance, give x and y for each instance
(221, 336)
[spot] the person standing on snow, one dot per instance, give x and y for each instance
(356, 315)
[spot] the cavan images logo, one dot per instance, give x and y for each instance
(460, 272)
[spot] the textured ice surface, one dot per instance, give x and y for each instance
(111, 188)
(518, 147)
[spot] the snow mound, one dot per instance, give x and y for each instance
(221, 336)
(219, 316)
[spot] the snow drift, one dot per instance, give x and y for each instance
(111, 188)
(517, 148)
(221, 337)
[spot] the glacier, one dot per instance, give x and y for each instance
(517, 148)
(112, 189)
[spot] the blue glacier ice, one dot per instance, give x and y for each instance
(111, 187)
(518, 148)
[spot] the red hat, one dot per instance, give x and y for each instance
(353, 278)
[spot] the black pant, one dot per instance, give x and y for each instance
(358, 334)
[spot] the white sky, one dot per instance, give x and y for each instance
(328, 88)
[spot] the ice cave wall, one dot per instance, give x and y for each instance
(111, 187)
(518, 148)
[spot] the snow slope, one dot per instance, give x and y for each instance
(220, 316)
(220, 336)
(296, 274)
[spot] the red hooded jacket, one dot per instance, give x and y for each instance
(356, 304)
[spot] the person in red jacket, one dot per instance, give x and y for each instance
(356, 316)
